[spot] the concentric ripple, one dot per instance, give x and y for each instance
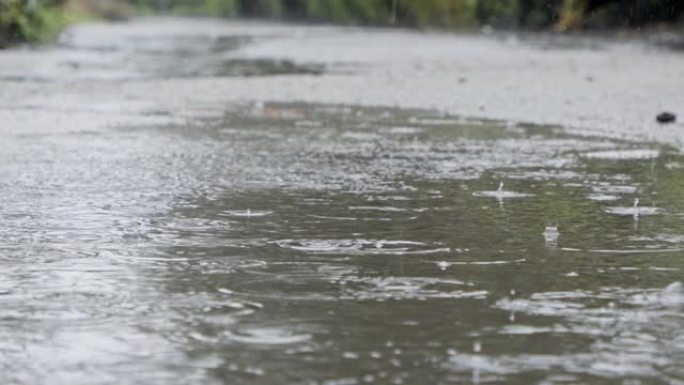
(360, 246)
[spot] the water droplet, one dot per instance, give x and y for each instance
(477, 346)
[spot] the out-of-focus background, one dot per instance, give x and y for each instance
(35, 20)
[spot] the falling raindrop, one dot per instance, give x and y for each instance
(477, 346)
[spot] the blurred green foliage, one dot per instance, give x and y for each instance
(31, 21)
(438, 13)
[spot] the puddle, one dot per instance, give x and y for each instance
(287, 243)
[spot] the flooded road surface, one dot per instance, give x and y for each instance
(314, 243)
(294, 243)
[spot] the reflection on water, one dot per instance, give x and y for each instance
(294, 243)
(139, 57)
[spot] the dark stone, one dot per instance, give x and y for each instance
(666, 117)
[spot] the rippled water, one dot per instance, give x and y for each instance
(324, 244)
(294, 243)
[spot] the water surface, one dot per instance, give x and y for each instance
(304, 244)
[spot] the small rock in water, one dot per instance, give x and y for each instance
(666, 117)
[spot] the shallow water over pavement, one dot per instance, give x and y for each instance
(299, 243)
